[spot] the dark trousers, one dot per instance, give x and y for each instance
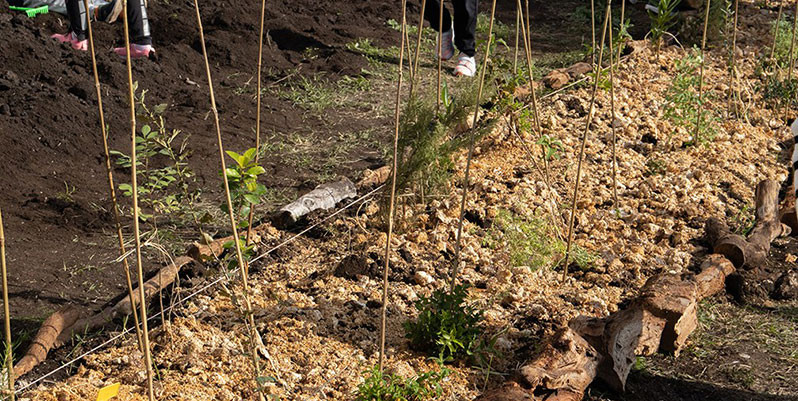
(465, 22)
(138, 25)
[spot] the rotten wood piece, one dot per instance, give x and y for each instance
(659, 319)
(61, 326)
(45, 339)
(751, 252)
(323, 197)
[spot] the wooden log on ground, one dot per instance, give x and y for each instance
(323, 197)
(45, 339)
(213, 250)
(751, 252)
(59, 328)
(372, 178)
(565, 367)
(660, 318)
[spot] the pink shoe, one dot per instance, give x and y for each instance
(136, 51)
(72, 39)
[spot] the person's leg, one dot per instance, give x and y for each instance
(432, 14)
(465, 26)
(76, 36)
(76, 13)
(139, 31)
(138, 24)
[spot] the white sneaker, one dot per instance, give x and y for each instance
(446, 51)
(466, 66)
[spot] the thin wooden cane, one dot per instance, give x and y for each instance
(109, 173)
(620, 29)
(391, 204)
(257, 117)
(776, 30)
(253, 335)
(517, 29)
(528, 27)
(593, 30)
(440, 60)
(418, 45)
(7, 313)
(471, 140)
(612, 125)
(409, 50)
(535, 110)
(136, 232)
(792, 42)
(701, 75)
(733, 59)
(588, 120)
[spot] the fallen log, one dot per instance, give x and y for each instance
(323, 197)
(751, 252)
(61, 326)
(660, 319)
(45, 339)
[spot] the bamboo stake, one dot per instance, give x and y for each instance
(389, 234)
(701, 76)
(616, 204)
(588, 119)
(7, 314)
(528, 28)
(733, 60)
(253, 335)
(257, 117)
(620, 29)
(134, 184)
(776, 30)
(535, 109)
(111, 189)
(409, 50)
(517, 29)
(593, 30)
(471, 141)
(792, 42)
(440, 60)
(418, 45)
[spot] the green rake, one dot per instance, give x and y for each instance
(32, 11)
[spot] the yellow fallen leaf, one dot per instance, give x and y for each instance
(108, 392)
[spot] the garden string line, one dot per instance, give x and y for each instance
(198, 291)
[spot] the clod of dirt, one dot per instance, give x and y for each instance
(556, 79)
(787, 285)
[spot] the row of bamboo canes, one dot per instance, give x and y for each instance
(522, 29)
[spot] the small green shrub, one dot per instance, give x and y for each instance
(446, 327)
(379, 386)
(783, 31)
(683, 106)
(532, 242)
(426, 138)
(164, 178)
(662, 21)
(780, 92)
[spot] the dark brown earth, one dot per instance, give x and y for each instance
(53, 187)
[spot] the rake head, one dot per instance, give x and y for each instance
(32, 12)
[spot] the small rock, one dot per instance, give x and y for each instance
(423, 278)
(578, 69)
(556, 79)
